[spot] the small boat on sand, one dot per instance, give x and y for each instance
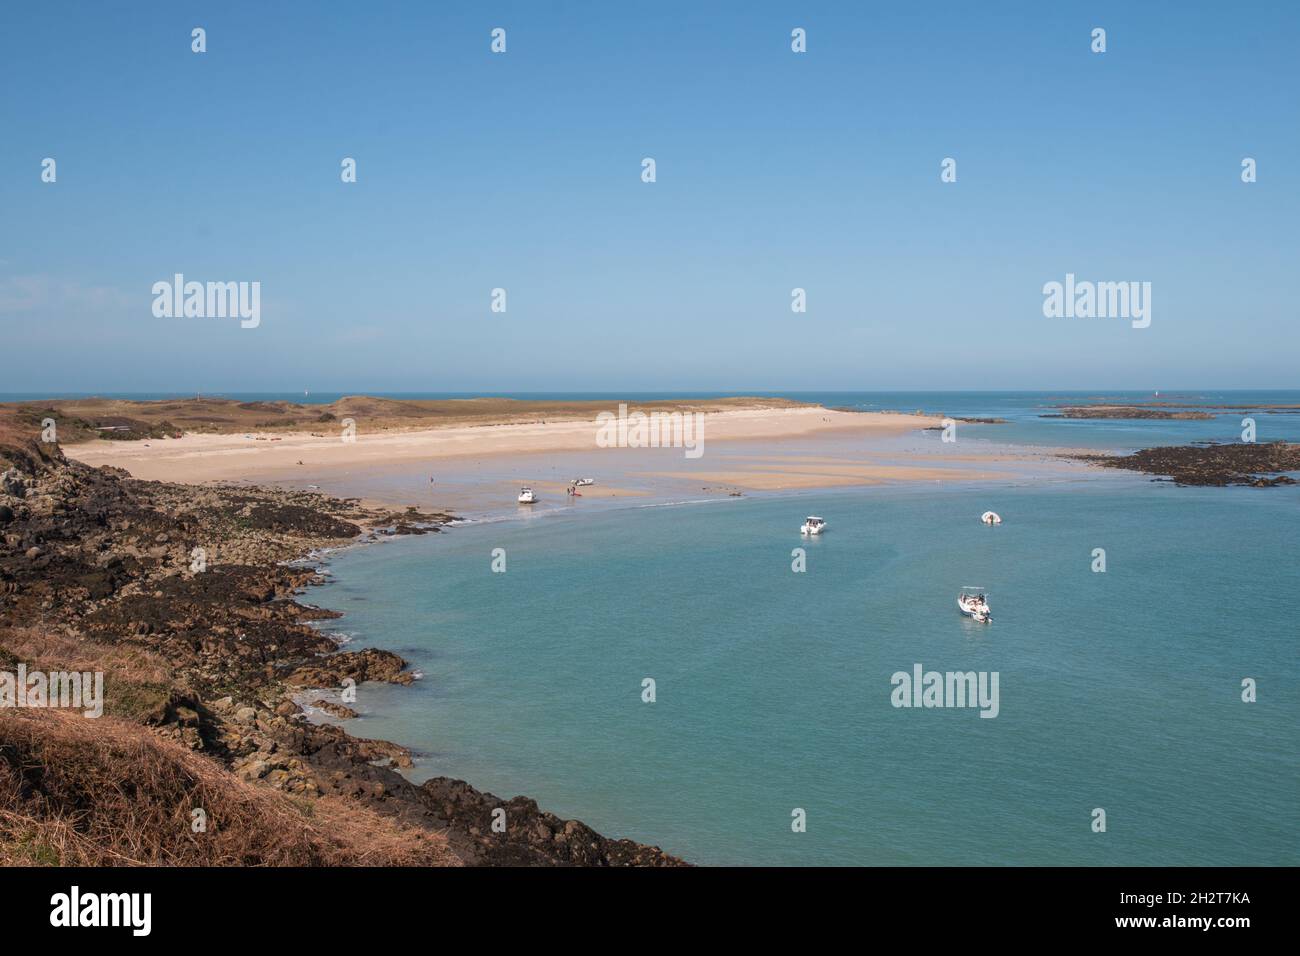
(582, 482)
(812, 525)
(974, 603)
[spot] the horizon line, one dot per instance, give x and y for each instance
(757, 391)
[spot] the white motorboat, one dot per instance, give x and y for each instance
(991, 517)
(812, 525)
(526, 496)
(582, 482)
(974, 603)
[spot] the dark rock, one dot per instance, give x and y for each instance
(1128, 412)
(369, 664)
(1211, 465)
(532, 837)
(335, 710)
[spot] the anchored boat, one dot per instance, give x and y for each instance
(974, 603)
(812, 525)
(991, 517)
(526, 496)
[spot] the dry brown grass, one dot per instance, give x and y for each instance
(136, 680)
(105, 792)
(56, 651)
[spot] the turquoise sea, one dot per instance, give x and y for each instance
(1119, 690)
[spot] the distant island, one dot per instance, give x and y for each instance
(1125, 411)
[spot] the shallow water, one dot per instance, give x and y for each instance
(1025, 425)
(1119, 690)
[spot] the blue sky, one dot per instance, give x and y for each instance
(522, 171)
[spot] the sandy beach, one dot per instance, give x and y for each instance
(466, 466)
(203, 457)
(478, 468)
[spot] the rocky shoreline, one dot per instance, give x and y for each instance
(186, 598)
(1210, 464)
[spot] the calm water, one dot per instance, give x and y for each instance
(1118, 690)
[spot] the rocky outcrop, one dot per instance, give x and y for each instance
(1210, 464)
(1127, 411)
(341, 711)
(358, 666)
(516, 832)
(968, 421)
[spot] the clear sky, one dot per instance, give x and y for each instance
(522, 170)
